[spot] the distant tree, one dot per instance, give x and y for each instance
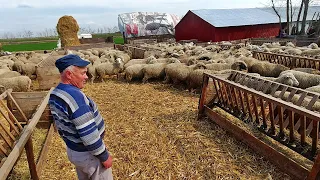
(27, 34)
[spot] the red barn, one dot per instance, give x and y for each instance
(227, 24)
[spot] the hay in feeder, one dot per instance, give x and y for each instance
(152, 133)
(68, 28)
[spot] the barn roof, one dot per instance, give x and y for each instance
(246, 16)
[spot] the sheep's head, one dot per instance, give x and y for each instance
(239, 65)
(288, 79)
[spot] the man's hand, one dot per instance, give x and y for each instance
(108, 163)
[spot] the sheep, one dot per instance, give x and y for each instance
(134, 71)
(92, 70)
(29, 69)
(307, 70)
(179, 72)
(135, 61)
(238, 65)
(311, 52)
(305, 79)
(293, 51)
(195, 78)
(109, 69)
(290, 44)
(267, 69)
(153, 71)
(17, 84)
(10, 74)
(295, 100)
(314, 89)
(124, 57)
(313, 46)
(287, 79)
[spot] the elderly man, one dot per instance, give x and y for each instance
(79, 122)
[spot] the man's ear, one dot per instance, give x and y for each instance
(68, 74)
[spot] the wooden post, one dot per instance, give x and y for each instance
(203, 95)
(30, 158)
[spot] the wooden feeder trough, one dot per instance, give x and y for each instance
(282, 114)
(21, 114)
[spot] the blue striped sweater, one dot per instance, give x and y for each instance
(78, 120)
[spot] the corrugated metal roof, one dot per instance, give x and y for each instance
(246, 16)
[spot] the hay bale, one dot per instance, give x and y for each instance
(68, 28)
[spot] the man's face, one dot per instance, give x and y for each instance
(78, 76)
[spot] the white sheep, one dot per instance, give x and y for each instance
(10, 74)
(109, 69)
(135, 61)
(305, 79)
(314, 88)
(29, 69)
(134, 71)
(178, 72)
(17, 84)
(267, 69)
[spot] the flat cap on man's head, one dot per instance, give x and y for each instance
(69, 60)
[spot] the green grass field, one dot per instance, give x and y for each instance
(29, 46)
(118, 40)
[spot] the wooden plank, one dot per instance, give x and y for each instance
(311, 103)
(4, 150)
(7, 131)
(280, 114)
(264, 118)
(303, 130)
(217, 91)
(11, 115)
(271, 114)
(291, 126)
(315, 136)
(203, 95)
(255, 108)
(4, 94)
(282, 161)
(242, 101)
(248, 105)
(44, 150)
(9, 120)
(18, 107)
(314, 173)
(6, 138)
(266, 88)
(31, 161)
(13, 156)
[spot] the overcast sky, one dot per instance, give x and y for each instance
(37, 15)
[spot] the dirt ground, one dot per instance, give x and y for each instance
(152, 133)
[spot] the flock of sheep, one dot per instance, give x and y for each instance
(17, 70)
(175, 63)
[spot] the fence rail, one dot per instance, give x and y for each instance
(288, 60)
(286, 122)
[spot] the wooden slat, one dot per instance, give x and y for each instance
(271, 114)
(248, 105)
(314, 173)
(18, 107)
(291, 126)
(202, 96)
(264, 118)
(13, 156)
(6, 138)
(4, 150)
(44, 150)
(303, 130)
(11, 115)
(30, 159)
(9, 120)
(315, 136)
(242, 101)
(4, 94)
(280, 114)
(217, 91)
(7, 131)
(255, 108)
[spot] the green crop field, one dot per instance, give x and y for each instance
(29, 46)
(118, 40)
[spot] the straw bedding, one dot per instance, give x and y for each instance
(152, 133)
